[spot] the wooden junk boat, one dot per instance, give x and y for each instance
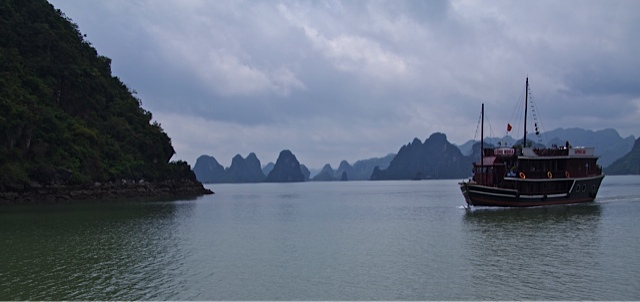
(526, 177)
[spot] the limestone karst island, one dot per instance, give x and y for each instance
(69, 129)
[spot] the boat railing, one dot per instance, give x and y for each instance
(551, 174)
(572, 151)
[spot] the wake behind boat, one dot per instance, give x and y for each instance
(523, 176)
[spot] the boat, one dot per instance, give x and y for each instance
(526, 176)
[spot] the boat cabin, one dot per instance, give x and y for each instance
(500, 164)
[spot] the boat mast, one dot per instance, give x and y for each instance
(526, 100)
(482, 145)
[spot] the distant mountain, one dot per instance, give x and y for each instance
(243, 170)
(362, 169)
(432, 159)
(208, 170)
(436, 158)
(346, 170)
(267, 168)
(496, 141)
(627, 164)
(608, 142)
(326, 174)
(305, 171)
(313, 172)
(286, 169)
(506, 140)
(475, 154)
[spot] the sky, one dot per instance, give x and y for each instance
(351, 80)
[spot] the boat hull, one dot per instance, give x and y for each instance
(582, 190)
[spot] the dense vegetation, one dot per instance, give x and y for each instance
(64, 119)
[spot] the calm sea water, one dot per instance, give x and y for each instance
(388, 240)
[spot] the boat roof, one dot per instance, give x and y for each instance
(491, 159)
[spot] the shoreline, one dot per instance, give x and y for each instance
(117, 190)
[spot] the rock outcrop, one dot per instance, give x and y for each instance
(286, 169)
(208, 170)
(243, 170)
(435, 159)
(627, 164)
(326, 174)
(122, 189)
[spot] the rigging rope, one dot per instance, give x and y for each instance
(536, 120)
(475, 137)
(478, 125)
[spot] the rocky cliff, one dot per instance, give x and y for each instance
(436, 158)
(67, 123)
(627, 164)
(286, 169)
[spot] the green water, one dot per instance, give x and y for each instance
(396, 240)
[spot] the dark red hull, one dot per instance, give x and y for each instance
(581, 190)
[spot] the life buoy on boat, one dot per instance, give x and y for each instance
(521, 174)
(549, 174)
(566, 174)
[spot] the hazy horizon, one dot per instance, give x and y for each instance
(492, 139)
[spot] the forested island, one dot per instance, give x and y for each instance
(68, 128)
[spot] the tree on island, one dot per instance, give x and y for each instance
(66, 121)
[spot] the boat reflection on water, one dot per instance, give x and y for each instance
(547, 223)
(544, 216)
(524, 250)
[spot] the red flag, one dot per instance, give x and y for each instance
(508, 127)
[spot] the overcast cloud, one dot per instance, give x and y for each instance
(333, 80)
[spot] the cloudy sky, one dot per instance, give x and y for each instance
(334, 80)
